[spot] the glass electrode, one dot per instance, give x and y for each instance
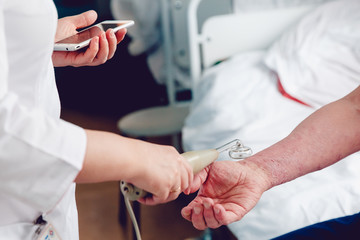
(236, 149)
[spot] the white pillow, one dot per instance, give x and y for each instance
(319, 60)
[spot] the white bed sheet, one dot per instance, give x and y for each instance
(239, 99)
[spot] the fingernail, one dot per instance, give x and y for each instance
(207, 205)
(197, 210)
(217, 211)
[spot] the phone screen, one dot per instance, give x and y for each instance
(90, 33)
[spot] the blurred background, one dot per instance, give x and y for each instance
(120, 86)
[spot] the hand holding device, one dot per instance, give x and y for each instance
(83, 38)
(198, 160)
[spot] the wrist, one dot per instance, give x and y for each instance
(259, 172)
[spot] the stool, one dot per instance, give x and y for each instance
(155, 122)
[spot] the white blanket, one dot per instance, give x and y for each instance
(239, 99)
(319, 60)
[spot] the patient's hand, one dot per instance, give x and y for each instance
(101, 49)
(230, 190)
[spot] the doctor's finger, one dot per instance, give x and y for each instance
(173, 195)
(186, 176)
(120, 35)
(161, 196)
(87, 57)
(103, 52)
(154, 200)
(84, 19)
(112, 42)
(149, 200)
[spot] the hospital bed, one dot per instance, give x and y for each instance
(185, 37)
(233, 56)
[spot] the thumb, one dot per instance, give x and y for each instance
(84, 19)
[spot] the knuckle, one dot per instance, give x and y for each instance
(176, 171)
(171, 149)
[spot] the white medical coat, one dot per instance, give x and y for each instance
(40, 155)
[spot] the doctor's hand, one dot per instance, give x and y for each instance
(228, 190)
(157, 169)
(165, 174)
(101, 48)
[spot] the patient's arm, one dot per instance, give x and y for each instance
(231, 189)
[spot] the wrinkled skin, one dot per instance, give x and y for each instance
(230, 190)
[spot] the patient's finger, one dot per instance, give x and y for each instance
(186, 213)
(197, 217)
(209, 215)
(225, 217)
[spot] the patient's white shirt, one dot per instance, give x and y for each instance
(40, 154)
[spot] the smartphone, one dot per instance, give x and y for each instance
(83, 38)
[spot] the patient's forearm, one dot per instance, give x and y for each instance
(325, 137)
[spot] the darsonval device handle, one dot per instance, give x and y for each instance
(198, 160)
